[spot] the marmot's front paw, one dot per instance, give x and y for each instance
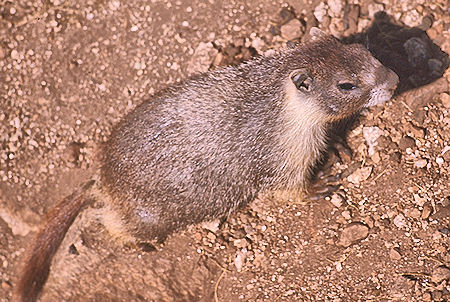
(324, 184)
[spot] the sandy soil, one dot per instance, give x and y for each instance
(70, 69)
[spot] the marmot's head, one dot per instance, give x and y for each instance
(340, 78)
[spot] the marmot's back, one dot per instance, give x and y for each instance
(188, 152)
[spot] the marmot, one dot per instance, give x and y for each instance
(203, 148)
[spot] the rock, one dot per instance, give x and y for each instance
(371, 135)
(407, 142)
(445, 99)
(353, 233)
(346, 214)
(413, 213)
(419, 117)
(440, 274)
(385, 142)
(212, 225)
(432, 33)
(369, 221)
(211, 237)
(363, 24)
(445, 231)
(360, 175)
(6, 285)
(292, 30)
(202, 59)
(2, 52)
(286, 14)
(395, 157)
(400, 221)
(436, 66)
(16, 222)
(426, 212)
(446, 153)
(420, 163)
(395, 255)
(239, 260)
(240, 243)
(437, 295)
(426, 297)
(417, 51)
(258, 44)
(374, 8)
(336, 7)
(231, 50)
(336, 200)
(15, 54)
(351, 19)
(412, 18)
(421, 96)
(320, 11)
(419, 200)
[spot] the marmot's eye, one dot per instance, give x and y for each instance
(346, 86)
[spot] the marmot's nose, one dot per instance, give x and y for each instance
(392, 81)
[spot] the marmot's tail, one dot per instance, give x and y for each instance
(34, 269)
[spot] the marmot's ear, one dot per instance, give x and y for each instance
(302, 79)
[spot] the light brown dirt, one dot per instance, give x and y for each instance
(70, 69)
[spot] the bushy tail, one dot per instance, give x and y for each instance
(37, 259)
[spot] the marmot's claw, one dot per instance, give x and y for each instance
(320, 192)
(146, 247)
(341, 149)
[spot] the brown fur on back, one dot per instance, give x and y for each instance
(36, 264)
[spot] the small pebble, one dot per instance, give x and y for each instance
(203, 57)
(407, 142)
(413, 213)
(445, 99)
(360, 175)
(6, 285)
(374, 8)
(395, 255)
(371, 135)
(336, 7)
(426, 297)
(336, 200)
(14, 54)
(239, 260)
(212, 225)
(400, 221)
(426, 212)
(437, 295)
(320, 11)
(292, 30)
(421, 163)
(346, 214)
(352, 233)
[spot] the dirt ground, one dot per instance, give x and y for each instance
(70, 69)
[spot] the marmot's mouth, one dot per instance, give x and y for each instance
(378, 96)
